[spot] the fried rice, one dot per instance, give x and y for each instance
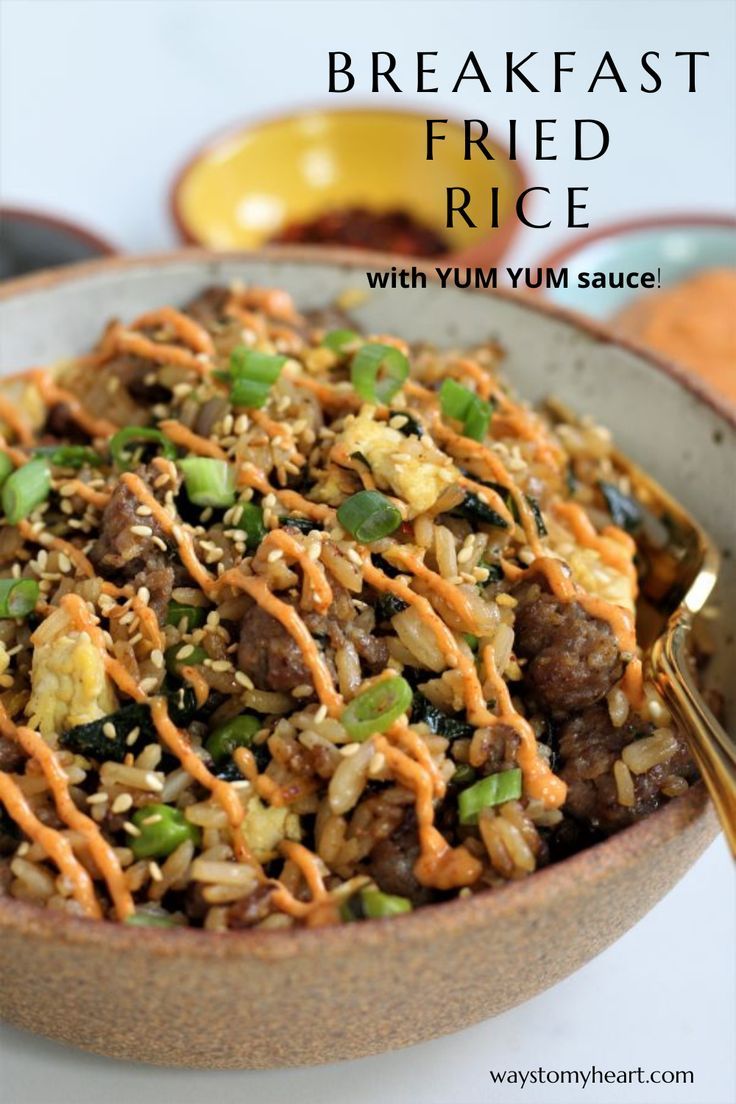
(301, 625)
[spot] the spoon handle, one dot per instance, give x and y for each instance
(713, 750)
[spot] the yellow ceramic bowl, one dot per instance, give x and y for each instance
(246, 186)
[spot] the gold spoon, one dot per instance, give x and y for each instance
(668, 656)
(683, 567)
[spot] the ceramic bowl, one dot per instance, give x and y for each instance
(677, 245)
(264, 999)
(245, 186)
(30, 240)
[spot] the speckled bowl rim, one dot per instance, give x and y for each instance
(593, 865)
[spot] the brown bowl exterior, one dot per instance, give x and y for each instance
(266, 999)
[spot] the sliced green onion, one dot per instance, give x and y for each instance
(253, 374)
(18, 597)
(376, 709)
(251, 522)
(162, 829)
(471, 640)
(261, 367)
(454, 399)
(465, 406)
(477, 419)
(493, 790)
(69, 456)
(237, 732)
(368, 516)
(6, 467)
(340, 340)
(245, 392)
(126, 458)
(25, 489)
(149, 920)
(195, 616)
(195, 657)
(377, 905)
(377, 372)
(208, 482)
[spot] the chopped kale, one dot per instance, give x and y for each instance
(514, 509)
(386, 567)
(411, 427)
(537, 512)
(91, 740)
(495, 572)
(304, 525)
(229, 772)
(437, 720)
(474, 509)
(625, 511)
(387, 606)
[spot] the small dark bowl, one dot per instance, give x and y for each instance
(30, 240)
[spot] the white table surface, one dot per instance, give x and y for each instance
(99, 101)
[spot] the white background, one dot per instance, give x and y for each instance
(99, 102)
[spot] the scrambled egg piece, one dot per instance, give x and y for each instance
(598, 578)
(69, 684)
(265, 826)
(412, 467)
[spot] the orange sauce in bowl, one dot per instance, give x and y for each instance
(693, 323)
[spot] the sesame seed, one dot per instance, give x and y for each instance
(157, 658)
(153, 782)
(155, 871)
(154, 818)
(349, 749)
(320, 715)
(143, 510)
(108, 729)
(122, 803)
(185, 651)
(131, 829)
(147, 685)
(142, 530)
(242, 678)
(276, 554)
(221, 665)
(97, 798)
(507, 600)
(377, 763)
